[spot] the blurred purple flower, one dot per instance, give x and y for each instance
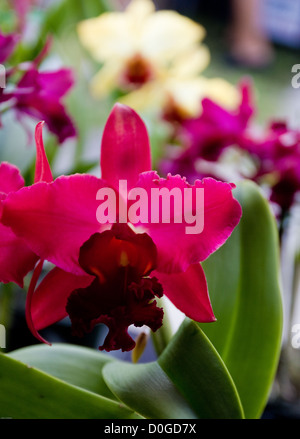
(278, 157)
(209, 134)
(274, 154)
(38, 93)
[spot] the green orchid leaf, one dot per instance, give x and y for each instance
(189, 380)
(28, 393)
(147, 389)
(197, 370)
(243, 281)
(77, 365)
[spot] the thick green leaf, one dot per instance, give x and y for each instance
(195, 367)
(243, 281)
(76, 365)
(222, 271)
(27, 393)
(147, 390)
(188, 380)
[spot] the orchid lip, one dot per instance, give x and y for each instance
(122, 293)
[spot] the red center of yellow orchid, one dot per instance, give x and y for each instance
(137, 72)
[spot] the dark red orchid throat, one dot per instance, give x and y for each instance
(122, 292)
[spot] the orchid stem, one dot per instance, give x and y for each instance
(163, 335)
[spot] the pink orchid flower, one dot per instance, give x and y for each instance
(209, 134)
(107, 274)
(35, 93)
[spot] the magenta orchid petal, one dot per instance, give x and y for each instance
(55, 83)
(125, 148)
(230, 122)
(11, 179)
(42, 167)
(56, 218)
(176, 248)
(48, 303)
(7, 45)
(188, 292)
(16, 259)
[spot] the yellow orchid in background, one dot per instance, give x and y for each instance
(155, 58)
